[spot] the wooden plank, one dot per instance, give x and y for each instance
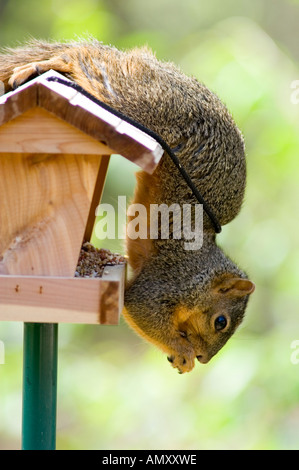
(85, 115)
(63, 300)
(44, 205)
(98, 191)
(38, 131)
(96, 122)
(19, 104)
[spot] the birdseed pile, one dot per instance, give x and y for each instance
(92, 261)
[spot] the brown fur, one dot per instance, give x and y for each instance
(141, 249)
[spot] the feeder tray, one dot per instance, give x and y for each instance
(55, 145)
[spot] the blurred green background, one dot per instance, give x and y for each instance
(115, 391)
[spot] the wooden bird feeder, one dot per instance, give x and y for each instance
(55, 145)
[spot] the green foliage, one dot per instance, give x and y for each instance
(115, 391)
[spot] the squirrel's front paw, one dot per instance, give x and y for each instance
(21, 74)
(183, 362)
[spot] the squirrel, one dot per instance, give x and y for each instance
(188, 303)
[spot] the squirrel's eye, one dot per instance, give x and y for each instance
(220, 323)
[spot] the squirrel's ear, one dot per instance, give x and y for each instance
(236, 287)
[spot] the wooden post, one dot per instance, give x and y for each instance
(39, 386)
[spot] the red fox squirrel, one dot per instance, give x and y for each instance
(186, 302)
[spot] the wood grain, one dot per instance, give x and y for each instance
(63, 300)
(38, 131)
(44, 205)
(81, 113)
(92, 119)
(97, 195)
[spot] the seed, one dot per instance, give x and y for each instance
(92, 260)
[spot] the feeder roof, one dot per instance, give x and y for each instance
(28, 124)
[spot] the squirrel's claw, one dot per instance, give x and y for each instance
(21, 74)
(182, 363)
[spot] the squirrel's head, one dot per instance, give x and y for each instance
(188, 303)
(211, 321)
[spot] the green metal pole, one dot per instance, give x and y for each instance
(39, 386)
